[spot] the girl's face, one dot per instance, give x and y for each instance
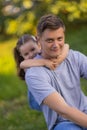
(29, 50)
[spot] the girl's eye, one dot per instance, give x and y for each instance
(26, 54)
(32, 49)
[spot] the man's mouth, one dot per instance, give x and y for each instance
(55, 50)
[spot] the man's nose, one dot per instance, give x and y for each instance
(55, 44)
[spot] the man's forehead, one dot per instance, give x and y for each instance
(48, 33)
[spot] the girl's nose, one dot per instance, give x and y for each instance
(31, 55)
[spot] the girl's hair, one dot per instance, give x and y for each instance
(17, 56)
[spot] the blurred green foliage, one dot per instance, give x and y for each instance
(20, 16)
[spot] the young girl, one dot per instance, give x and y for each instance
(24, 52)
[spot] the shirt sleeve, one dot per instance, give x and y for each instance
(81, 60)
(38, 83)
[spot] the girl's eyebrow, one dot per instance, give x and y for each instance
(32, 48)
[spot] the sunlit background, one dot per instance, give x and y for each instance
(18, 17)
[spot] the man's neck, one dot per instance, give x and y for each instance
(50, 58)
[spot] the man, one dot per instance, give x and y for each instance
(58, 91)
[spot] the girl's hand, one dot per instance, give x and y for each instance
(50, 64)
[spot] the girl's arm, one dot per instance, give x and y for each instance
(63, 54)
(45, 62)
(37, 62)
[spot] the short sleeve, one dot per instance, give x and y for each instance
(38, 82)
(82, 64)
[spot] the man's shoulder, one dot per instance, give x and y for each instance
(75, 57)
(36, 71)
(73, 53)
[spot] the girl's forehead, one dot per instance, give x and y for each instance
(28, 45)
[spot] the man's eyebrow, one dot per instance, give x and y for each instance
(49, 39)
(60, 37)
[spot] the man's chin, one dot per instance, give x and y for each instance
(55, 56)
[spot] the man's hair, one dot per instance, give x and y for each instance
(49, 21)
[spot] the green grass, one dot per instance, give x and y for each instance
(77, 38)
(15, 113)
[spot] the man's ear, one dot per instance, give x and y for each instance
(38, 41)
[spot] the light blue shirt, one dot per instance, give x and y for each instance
(65, 79)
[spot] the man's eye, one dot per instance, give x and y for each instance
(60, 39)
(49, 40)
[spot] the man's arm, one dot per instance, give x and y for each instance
(57, 103)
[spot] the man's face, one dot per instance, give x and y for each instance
(52, 42)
